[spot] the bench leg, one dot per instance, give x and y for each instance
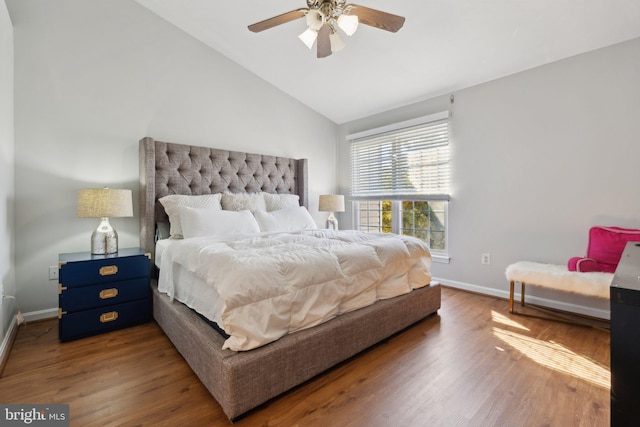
(511, 295)
(511, 285)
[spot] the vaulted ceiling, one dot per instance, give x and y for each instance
(444, 46)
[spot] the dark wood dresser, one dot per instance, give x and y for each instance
(625, 339)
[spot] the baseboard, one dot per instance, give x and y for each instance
(12, 331)
(7, 343)
(545, 302)
(40, 314)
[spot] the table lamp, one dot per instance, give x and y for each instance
(104, 203)
(331, 203)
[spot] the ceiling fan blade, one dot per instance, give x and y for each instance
(376, 18)
(278, 20)
(324, 41)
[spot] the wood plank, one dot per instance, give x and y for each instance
(473, 364)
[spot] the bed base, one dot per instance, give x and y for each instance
(241, 381)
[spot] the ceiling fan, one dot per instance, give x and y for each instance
(324, 17)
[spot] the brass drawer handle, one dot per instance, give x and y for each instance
(108, 293)
(108, 270)
(108, 317)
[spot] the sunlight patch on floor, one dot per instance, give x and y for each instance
(557, 357)
(501, 318)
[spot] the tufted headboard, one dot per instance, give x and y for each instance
(169, 168)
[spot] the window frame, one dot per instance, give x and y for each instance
(394, 195)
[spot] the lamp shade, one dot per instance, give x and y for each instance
(337, 44)
(348, 24)
(331, 203)
(314, 19)
(104, 203)
(308, 37)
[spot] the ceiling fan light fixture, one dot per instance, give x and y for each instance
(308, 37)
(348, 24)
(315, 19)
(337, 44)
(324, 17)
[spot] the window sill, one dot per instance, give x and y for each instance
(440, 258)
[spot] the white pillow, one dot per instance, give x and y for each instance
(276, 202)
(214, 222)
(172, 201)
(287, 219)
(243, 201)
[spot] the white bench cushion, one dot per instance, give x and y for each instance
(560, 278)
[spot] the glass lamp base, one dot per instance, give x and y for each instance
(104, 239)
(332, 222)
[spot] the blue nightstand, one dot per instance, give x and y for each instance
(101, 293)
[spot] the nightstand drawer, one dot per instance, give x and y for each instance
(90, 322)
(106, 270)
(87, 297)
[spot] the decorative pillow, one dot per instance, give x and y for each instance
(215, 222)
(243, 201)
(287, 219)
(172, 201)
(276, 202)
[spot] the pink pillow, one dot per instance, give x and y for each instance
(587, 265)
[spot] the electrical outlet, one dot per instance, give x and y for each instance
(53, 272)
(486, 258)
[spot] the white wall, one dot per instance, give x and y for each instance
(537, 158)
(7, 274)
(91, 79)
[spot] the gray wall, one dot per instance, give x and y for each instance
(7, 275)
(537, 158)
(91, 79)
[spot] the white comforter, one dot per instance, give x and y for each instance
(273, 284)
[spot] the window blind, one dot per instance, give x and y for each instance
(409, 161)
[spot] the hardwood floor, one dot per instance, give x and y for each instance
(471, 365)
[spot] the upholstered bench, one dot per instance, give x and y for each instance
(557, 277)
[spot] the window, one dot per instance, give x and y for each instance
(400, 180)
(423, 219)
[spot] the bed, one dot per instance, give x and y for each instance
(242, 380)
